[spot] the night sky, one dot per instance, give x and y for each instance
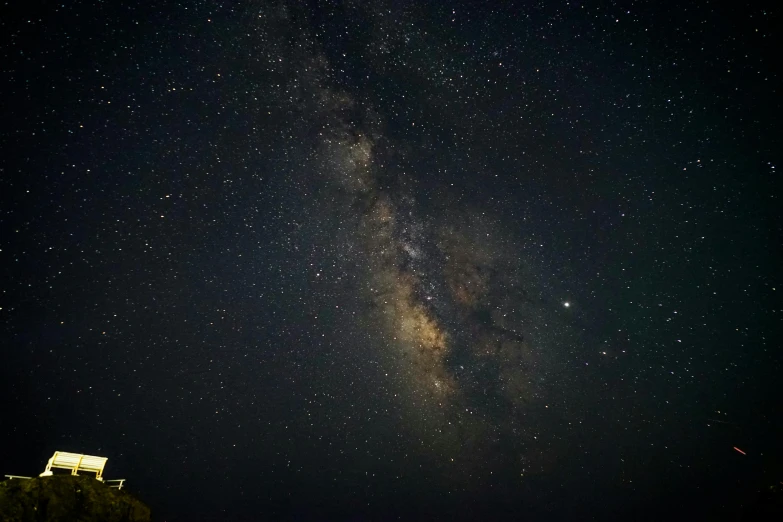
(371, 260)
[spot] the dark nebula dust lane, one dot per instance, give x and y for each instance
(383, 260)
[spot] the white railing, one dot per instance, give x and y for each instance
(119, 484)
(114, 483)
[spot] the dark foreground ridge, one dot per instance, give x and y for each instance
(68, 498)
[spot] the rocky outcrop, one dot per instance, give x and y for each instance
(61, 498)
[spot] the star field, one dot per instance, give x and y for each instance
(385, 261)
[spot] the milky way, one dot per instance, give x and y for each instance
(451, 299)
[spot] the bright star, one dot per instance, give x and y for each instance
(566, 304)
